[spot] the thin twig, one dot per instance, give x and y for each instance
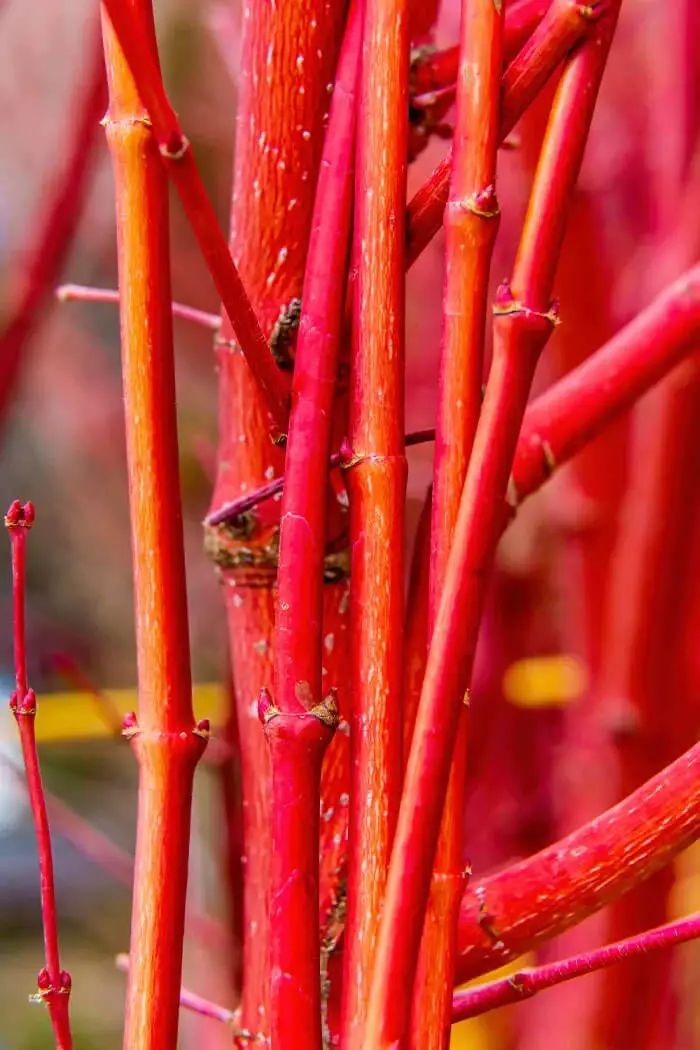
(54, 984)
(528, 982)
(68, 293)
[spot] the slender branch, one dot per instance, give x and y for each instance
(376, 478)
(230, 511)
(509, 913)
(578, 407)
(176, 152)
(471, 224)
(528, 982)
(165, 739)
(67, 293)
(286, 61)
(523, 322)
(58, 226)
(299, 728)
(564, 25)
(54, 984)
(303, 522)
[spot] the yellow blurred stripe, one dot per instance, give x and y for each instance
(67, 717)
(545, 681)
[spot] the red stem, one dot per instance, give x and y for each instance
(176, 152)
(509, 913)
(54, 984)
(528, 982)
(67, 293)
(297, 742)
(303, 523)
(288, 57)
(376, 486)
(573, 411)
(523, 322)
(471, 224)
(298, 737)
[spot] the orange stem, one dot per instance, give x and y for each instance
(165, 739)
(376, 477)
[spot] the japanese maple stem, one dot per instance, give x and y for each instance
(66, 293)
(530, 981)
(376, 487)
(58, 224)
(297, 742)
(523, 322)
(166, 742)
(562, 27)
(288, 58)
(471, 224)
(511, 912)
(299, 727)
(574, 410)
(54, 984)
(176, 152)
(303, 522)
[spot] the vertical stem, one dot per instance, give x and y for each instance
(297, 742)
(376, 487)
(166, 741)
(288, 58)
(54, 984)
(523, 323)
(471, 224)
(299, 728)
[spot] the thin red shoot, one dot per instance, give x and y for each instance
(54, 984)
(528, 982)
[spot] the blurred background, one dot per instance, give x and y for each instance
(634, 227)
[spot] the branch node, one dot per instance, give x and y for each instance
(484, 204)
(505, 305)
(20, 516)
(327, 711)
(130, 725)
(348, 458)
(266, 708)
(24, 706)
(591, 12)
(202, 728)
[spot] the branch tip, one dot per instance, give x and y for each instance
(266, 708)
(130, 725)
(20, 516)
